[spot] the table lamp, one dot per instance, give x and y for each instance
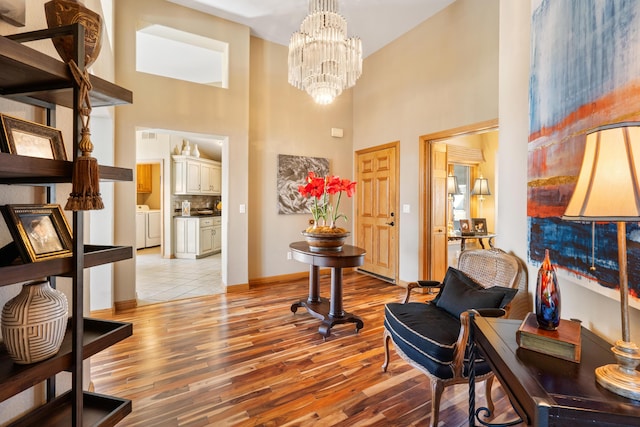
(452, 189)
(481, 189)
(608, 189)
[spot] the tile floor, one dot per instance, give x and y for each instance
(159, 279)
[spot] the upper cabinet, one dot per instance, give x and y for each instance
(195, 176)
(144, 178)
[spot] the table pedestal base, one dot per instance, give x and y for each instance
(322, 310)
(330, 311)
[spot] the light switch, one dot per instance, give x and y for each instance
(406, 208)
(243, 208)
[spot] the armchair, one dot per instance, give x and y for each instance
(432, 336)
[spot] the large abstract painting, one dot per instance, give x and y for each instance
(292, 172)
(585, 72)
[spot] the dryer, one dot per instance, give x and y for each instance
(148, 227)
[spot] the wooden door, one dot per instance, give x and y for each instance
(376, 216)
(439, 245)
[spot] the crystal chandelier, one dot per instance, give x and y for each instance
(322, 61)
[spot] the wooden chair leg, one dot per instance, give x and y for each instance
(436, 393)
(386, 339)
(487, 391)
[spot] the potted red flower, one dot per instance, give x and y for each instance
(325, 213)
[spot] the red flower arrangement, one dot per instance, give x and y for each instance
(320, 188)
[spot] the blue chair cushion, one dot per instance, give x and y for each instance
(427, 335)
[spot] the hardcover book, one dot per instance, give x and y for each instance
(563, 343)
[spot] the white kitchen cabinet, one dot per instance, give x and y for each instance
(195, 237)
(179, 176)
(206, 240)
(216, 179)
(207, 173)
(187, 236)
(217, 234)
(193, 177)
(196, 176)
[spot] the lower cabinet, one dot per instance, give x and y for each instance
(197, 237)
(217, 234)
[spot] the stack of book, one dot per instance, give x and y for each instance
(563, 343)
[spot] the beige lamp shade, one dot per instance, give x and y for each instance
(452, 185)
(481, 187)
(608, 187)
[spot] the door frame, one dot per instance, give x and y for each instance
(395, 145)
(425, 182)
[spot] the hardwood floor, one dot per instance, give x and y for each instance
(244, 359)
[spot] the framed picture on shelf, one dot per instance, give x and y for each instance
(40, 231)
(30, 139)
(479, 226)
(465, 227)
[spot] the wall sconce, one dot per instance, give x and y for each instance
(452, 189)
(481, 189)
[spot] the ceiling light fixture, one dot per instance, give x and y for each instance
(322, 61)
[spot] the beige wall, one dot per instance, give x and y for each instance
(285, 120)
(441, 75)
(165, 103)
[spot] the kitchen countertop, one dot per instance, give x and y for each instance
(198, 216)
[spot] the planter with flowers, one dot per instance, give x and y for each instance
(324, 234)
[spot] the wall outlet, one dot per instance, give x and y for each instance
(289, 255)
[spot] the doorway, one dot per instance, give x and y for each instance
(376, 209)
(160, 276)
(435, 165)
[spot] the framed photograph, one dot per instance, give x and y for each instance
(465, 227)
(31, 139)
(40, 231)
(479, 226)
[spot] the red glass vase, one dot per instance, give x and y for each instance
(547, 296)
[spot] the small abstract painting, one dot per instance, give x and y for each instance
(13, 12)
(292, 172)
(585, 73)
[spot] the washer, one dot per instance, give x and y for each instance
(148, 227)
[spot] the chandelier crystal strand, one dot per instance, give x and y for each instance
(322, 61)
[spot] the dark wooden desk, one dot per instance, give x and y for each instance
(330, 311)
(547, 391)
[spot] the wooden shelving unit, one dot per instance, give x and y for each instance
(31, 77)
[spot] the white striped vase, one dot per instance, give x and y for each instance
(34, 323)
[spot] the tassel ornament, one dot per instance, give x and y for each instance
(85, 190)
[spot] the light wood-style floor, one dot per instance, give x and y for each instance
(244, 359)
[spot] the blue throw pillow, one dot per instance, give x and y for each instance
(460, 293)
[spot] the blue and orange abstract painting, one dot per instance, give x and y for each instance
(585, 72)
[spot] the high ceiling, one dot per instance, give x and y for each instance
(376, 22)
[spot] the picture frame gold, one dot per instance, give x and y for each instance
(40, 232)
(26, 138)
